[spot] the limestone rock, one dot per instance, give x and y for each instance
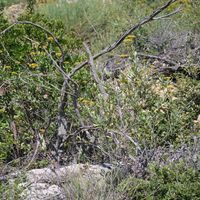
(61, 182)
(41, 191)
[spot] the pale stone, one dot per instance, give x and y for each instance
(60, 182)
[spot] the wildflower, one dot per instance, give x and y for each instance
(50, 39)
(2, 110)
(77, 63)
(86, 101)
(128, 40)
(42, 130)
(14, 73)
(58, 54)
(33, 65)
(131, 37)
(7, 67)
(33, 53)
(124, 56)
(45, 46)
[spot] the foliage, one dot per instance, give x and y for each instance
(151, 112)
(90, 17)
(4, 3)
(25, 65)
(31, 4)
(145, 109)
(164, 183)
(12, 190)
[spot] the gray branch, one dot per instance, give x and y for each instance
(123, 36)
(94, 72)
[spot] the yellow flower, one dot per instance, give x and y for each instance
(58, 54)
(86, 101)
(66, 62)
(7, 67)
(77, 63)
(17, 62)
(131, 37)
(2, 110)
(33, 65)
(33, 53)
(128, 40)
(45, 46)
(42, 130)
(124, 56)
(50, 39)
(14, 73)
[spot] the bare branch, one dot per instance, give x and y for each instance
(170, 62)
(57, 66)
(123, 36)
(169, 15)
(94, 72)
(13, 128)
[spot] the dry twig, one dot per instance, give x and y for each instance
(94, 72)
(148, 56)
(124, 35)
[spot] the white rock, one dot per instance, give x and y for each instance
(42, 191)
(59, 183)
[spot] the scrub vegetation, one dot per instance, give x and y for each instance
(136, 106)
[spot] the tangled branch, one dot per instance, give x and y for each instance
(125, 34)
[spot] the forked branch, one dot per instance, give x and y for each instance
(125, 34)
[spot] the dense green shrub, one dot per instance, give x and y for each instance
(31, 82)
(164, 183)
(4, 3)
(141, 109)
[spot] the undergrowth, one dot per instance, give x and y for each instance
(145, 110)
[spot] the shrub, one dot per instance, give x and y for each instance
(164, 183)
(31, 82)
